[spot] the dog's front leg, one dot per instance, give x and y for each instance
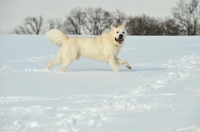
(123, 62)
(113, 64)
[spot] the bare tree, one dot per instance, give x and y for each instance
(119, 17)
(32, 25)
(187, 15)
(74, 22)
(53, 24)
(97, 21)
(143, 25)
(169, 27)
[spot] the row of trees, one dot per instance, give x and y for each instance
(185, 20)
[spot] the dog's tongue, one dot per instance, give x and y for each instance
(120, 40)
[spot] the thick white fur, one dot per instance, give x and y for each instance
(103, 48)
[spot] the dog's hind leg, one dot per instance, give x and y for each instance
(56, 61)
(65, 63)
(52, 63)
(69, 54)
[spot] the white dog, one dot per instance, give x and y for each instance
(105, 47)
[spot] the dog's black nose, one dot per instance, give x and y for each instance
(121, 36)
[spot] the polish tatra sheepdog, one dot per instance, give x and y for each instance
(104, 48)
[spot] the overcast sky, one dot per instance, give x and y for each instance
(13, 12)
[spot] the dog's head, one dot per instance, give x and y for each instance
(118, 34)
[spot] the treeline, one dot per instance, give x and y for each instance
(185, 20)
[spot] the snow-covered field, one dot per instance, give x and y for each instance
(160, 94)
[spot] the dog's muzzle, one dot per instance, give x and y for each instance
(120, 38)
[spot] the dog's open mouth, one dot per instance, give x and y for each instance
(119, 40)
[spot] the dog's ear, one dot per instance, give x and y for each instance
(120, 25)
(112, 27)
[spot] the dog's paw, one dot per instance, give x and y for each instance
(129, 67)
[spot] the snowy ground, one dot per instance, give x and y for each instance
(160, 94)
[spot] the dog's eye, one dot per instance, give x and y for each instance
(117, 32)
(123, 32)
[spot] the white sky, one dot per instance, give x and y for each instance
(13, 12)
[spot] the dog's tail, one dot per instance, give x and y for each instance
(57, 37)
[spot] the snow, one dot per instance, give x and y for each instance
(160, 93)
